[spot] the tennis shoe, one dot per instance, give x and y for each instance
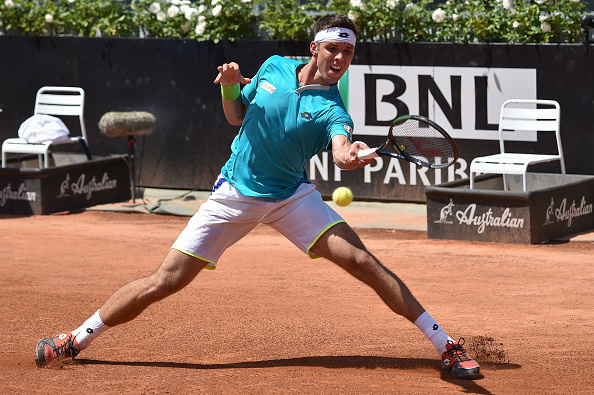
(55, 348)
(458, 362)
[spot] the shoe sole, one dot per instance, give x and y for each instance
(470, 374)
(40, 354)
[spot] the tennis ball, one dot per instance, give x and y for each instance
(342, 196)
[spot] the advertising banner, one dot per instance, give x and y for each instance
(460, 86)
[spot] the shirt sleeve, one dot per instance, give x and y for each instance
(248, 92)
(341, 124)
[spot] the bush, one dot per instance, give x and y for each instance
(462, 21)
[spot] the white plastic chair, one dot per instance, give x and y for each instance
(52, 100)
(521, 115)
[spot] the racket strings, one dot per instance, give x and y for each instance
(421, 141)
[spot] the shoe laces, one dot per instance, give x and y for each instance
(66, 347)
(457, 350)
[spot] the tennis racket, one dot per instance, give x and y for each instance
(418, 140)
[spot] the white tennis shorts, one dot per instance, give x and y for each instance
(227, 216)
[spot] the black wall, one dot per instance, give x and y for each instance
(173, 79)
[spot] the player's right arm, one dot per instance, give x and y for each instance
(234, 109)
(345, 153)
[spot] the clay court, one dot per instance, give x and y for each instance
(271, 321)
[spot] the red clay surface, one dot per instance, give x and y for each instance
(271, 321)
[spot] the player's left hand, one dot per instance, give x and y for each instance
(229, 73)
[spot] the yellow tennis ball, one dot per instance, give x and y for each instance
(342, 196)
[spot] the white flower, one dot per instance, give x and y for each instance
(202, 20)
(172, 11)
(543, 17)
(540, 2)
(356, 3)
(71, 1)
(201, 8)
(246, 1)
(9, 4)
(438, 15)
(190, 12)
(214, 2)
(516, 24)
(49, 18)
(200, 28)
(216, 11)
(454, 17)
(352, 16)
(391, 4)
(546, 27)
(506, 4)
(155, 7)
(161, 16)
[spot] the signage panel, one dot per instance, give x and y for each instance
(466, 101)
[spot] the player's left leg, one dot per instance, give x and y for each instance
(317, 230)
(341, 245)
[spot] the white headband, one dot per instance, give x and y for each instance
(341, 34)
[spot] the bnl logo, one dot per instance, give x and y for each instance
(464, 100)
(451, 107)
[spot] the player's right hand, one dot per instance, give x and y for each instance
(229, 74)
(351, 156)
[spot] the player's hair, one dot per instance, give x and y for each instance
(335, 20)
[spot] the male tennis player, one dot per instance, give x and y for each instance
(288, 112)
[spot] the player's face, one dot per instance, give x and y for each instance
(333, 60)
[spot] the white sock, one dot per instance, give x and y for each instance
(434, 332)
(88, 331)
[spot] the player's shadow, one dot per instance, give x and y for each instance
(329, 362)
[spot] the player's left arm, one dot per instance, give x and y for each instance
(229, 74)
(345, 153)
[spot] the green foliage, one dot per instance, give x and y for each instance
(462, 21)
(287, 20)
(514, 21)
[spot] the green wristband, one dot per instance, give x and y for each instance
(230, 92)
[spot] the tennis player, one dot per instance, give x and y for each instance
(288, 112)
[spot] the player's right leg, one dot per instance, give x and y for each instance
(220, 222)
(175, 272)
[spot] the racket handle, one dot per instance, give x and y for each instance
(367, 153)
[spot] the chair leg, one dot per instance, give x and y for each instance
(471, 180)
(85, 148)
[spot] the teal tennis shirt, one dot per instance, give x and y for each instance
(285, 125)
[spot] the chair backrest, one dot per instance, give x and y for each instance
(62, 100)
(530, 115)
